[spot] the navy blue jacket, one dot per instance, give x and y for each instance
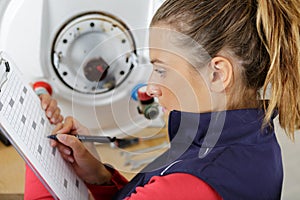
(229, 150)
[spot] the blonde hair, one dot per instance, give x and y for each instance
(262, 34)
(278, 25)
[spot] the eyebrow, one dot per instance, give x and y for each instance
(157, 61)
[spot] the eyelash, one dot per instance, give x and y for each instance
(161, 72)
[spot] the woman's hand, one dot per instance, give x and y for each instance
(86, 166)
(49, 105)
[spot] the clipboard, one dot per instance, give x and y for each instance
(3, 139)
(25, 125)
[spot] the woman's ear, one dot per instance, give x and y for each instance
(221, 74)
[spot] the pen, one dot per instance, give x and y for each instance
(89, 138)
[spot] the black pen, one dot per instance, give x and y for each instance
(89, 138)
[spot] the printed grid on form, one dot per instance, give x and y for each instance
(23, 119)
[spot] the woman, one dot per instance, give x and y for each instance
(210, 59)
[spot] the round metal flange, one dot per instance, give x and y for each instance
(93, 53)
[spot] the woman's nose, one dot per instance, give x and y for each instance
(153, 90)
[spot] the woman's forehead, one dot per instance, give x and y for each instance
(163, 40)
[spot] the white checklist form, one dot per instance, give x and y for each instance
(25, 124)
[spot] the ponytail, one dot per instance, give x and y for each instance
(278, 24)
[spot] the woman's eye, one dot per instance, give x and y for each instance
(161, 72)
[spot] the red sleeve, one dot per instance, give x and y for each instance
(175, 186)
(107, 192)
(34, 189)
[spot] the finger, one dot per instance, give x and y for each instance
(51, 108)
(59, 126)
(66, 154)
(53, 143)
(45, 100)
(55, 117)
(67, 126)
(68, 158)
(72, 142)
(64, 150)
(60, 119)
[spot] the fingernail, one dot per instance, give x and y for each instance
(49, 114)
(67, 151)
(44, 106)
(71, 160)
(52, 143)
(53, 120)
(61, 137)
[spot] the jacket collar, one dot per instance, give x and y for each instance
(219, 128)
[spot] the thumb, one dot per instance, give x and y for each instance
(72, 142)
